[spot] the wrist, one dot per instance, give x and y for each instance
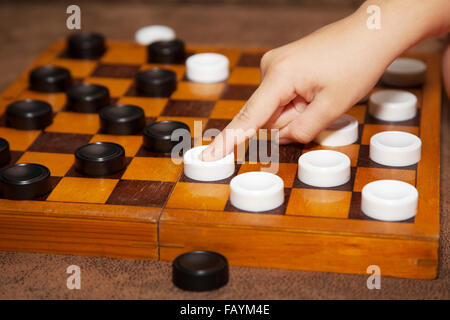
(400, 25)
(415, 19)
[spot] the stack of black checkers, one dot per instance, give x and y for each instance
(122, 119)
(171, 51)
(100, 159)
(200, 271)
(87, 98)
(29, 114)
(24, 181)
(50, 78)
(162, 136)
(86, 45)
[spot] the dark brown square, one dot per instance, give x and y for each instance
(356, 213)
(75, 173)
(365, 161)
(288, 153)
(280, 210)
(218, 124)
(58, 142)
(149, 120)
(238, 92)
(250, 60)
(15, 155)
(65, 55)
(3, 122)
(132, 91)
(111, 102)
(53, 182)
(141, 193)
(344, 187)
(104, 70)
(360, 133)
(381, 85)
(188, 108)
(143, 152)
(77, 81)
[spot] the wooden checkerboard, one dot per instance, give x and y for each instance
(151, 210)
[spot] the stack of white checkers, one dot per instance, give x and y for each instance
(387, 200)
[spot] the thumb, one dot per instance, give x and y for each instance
(318, 115)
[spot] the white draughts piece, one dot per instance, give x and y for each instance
(149, 34)
(395, 148)
(389, 200)
(207, 67)
(405, 72)
(393, 105)
(324, 168)
(342, 132)
(257, 191)
(197, 169)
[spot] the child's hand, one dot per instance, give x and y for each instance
(309, 83)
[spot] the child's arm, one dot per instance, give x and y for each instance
(309, 83)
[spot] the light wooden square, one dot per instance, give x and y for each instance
(245, 75)
(72, 122)
(197, 91)
(131, 144)
(152, 106)
(371, 129)
(19, 140)
(365, 175)
(117, 87)
(87, 190)
(203, 196)
(227, 109)
(153, 169)
(57, 163)
(319, 203)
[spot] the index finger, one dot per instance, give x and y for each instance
(256, 112)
